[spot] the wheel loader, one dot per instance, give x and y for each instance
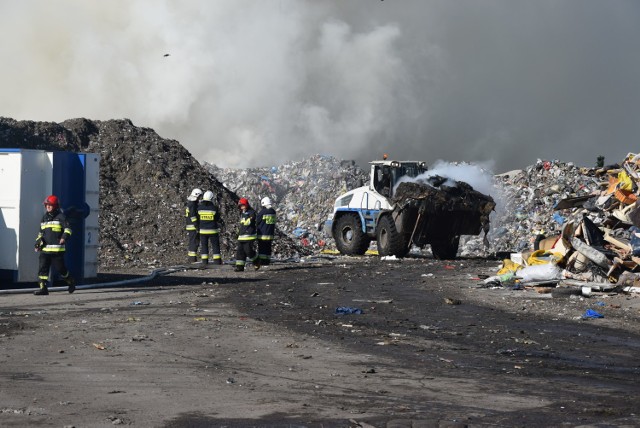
(402, 206)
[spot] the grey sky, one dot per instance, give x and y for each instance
(261, 82)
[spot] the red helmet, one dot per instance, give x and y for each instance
(243, 201)
(51, 200)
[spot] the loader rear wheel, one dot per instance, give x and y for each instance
(390, 241)
(350, 239)
(445, 249)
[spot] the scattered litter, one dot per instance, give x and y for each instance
(99, 346)
(342, 310)
(138, 303)
(373, 301)
(139, 338)
(590, 313)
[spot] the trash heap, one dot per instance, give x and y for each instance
(525, 205)
(302, 192)
(144, 182)
(591, 235)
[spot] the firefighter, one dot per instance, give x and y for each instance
(266, 227)
(247, 235)
(54, 232)
(191, 216)
(209, 219)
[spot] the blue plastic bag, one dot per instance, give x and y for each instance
(348, 310)
(590, 313)
(558, 218)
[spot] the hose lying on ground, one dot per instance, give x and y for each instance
(155, 273)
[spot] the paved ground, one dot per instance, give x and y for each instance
(201, 348)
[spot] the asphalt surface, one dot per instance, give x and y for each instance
(421, 344)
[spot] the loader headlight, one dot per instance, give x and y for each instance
(395, 164)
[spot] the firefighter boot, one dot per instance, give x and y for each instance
(256, 264)
(238, 268)
(71, 283)
(43, 289)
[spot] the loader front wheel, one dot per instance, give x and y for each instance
(390, 241)
(445, 249)
(350, 239)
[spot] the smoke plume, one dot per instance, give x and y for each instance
(260, 82)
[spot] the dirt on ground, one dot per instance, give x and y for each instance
(326, 342)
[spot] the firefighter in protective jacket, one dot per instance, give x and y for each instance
(266, 225)
(54, 232)
(209, 229)
(247, 235)
(191, 216)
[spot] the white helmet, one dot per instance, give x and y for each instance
(196, 193)
(266, 202)
(208, 195)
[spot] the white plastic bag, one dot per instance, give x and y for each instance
(546, 272)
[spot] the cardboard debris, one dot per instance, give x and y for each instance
(589, 216)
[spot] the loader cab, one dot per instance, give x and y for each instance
(386, 174)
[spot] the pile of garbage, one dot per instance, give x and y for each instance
(525, 205)
(303, 192)
(590, 236)
(554, 221)
(144, 182)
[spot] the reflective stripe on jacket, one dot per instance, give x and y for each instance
(247, 228)
(53, 227)
(266, 224)
(191, 215)
(208, 217)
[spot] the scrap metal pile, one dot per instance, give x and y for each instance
(571, 226)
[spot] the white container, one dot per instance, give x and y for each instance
(25, 176)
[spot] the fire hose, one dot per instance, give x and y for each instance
(113, 284)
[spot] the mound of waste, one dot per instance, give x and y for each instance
(303, 192)
(526, 205)
(144, 182)
(568, 226)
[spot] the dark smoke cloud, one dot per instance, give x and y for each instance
(259, 82)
